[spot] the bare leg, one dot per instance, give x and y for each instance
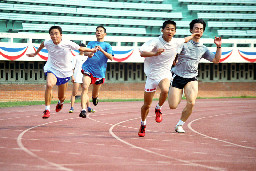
(164, 87)
(191, 91)
(74, 93)
(61, 92)
(174, 97)
(84, 94)
(88, 103)
(96, 90)
(51, 80)
(148, 97)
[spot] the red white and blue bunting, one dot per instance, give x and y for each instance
(121, 54)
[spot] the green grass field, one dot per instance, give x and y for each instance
(30, 103)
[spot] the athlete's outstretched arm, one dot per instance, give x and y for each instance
(109, 56)
(84, 49)
(218, 43)
(150, 54)
(190, 37)
(90, 54)
(38, 50)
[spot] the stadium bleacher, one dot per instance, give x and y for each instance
(237, 33)
(102, 4)
(231, 24)
(136, 18)
(226, 16)
(241, 2)
(210, 8)
(83, 11)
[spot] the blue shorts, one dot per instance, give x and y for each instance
(59, 80)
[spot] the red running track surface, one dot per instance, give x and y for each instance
(220, 135)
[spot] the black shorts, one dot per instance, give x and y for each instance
(180, 82)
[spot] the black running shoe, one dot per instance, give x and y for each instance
(95, 101)
(83, 114)
(59, 107)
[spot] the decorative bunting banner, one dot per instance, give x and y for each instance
(248, 56)
(121, 54)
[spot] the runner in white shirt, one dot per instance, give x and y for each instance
(159, 55)
(58, 67)
(77, 79)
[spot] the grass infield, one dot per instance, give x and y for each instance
(30, 103)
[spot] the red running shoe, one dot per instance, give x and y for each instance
(59, 107)
(142, 131)
(46, 114)
(158, 115)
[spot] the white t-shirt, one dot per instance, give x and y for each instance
(159, 67)
(77, 66)
(60, 58)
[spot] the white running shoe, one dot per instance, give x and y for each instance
(179, 129)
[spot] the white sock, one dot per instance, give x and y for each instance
(83, 109)
(143, 122)
(157, 106)
(60, 102)
(47, 107)
(180, 122)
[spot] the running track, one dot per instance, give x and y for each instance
(220, 135)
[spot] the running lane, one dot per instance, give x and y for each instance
(220, 135)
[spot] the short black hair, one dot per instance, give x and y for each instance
(55, 27)
(199, 20)
(82, 45)
(169, 22)
(103, 28)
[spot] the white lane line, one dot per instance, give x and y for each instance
(158, 154)
(20, 144)
(54, 152)
(74, 153)
(36, 150)
(152, 152)
(213, 138)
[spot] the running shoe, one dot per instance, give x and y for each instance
(142, 131)
(158, 115)
(90, 110)
(179, 129)
(46, 114)
(71, 110)
(59, 107)
(83, 114)
(95, 101)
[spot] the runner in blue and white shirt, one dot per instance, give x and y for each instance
(94, 68)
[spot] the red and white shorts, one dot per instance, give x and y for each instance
(151, 84)
(94, 80)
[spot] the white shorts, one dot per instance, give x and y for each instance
(78, 76)
(151, 84)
